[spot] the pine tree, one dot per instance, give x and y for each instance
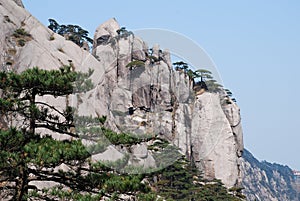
(203, 74)
(207, 78)
(73, 33)
(180, 65)
(21, 145)
(27, 156)
(183, 181)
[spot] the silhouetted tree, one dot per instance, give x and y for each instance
(180, 65)
(71, 32)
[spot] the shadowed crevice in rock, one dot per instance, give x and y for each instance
(19, 3)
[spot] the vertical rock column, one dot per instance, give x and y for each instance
(212, 140)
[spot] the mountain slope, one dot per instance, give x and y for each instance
(267, 181)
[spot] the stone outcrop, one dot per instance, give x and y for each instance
(153, 98)
(137, 89)
(41, 50)
(214, 145)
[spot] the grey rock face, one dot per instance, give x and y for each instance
(19, 3)
(232, 112)
(149, 98)
(138, 49)
(154, 98)
(212, 140)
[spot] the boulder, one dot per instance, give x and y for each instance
(111, 154)
(141, 157)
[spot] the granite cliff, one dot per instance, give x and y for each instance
(164, 103)
(149, 98)
(138, 91)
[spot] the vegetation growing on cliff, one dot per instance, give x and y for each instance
(203, 79)
(21, 36)
(28, 154)
(73, 33)
(199, 76)
(135, 64)
(123, 33)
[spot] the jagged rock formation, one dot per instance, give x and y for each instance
(163, 103)
(136, 88)
(267, 181)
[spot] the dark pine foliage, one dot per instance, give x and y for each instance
(27, 156)
(72, 32)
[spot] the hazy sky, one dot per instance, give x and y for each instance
(254, 44)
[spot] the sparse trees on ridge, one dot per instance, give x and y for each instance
(71, 32)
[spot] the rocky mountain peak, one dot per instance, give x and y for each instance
(109, 27)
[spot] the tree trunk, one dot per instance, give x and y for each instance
(32, 113)
(22, 181)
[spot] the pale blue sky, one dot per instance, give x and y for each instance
(255, 45)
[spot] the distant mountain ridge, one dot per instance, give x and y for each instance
(268, 181)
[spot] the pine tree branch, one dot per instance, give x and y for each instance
(53, 123)
(8, 180)
(69, 181)
(53, 108)
(2, 188)
(53, 128)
